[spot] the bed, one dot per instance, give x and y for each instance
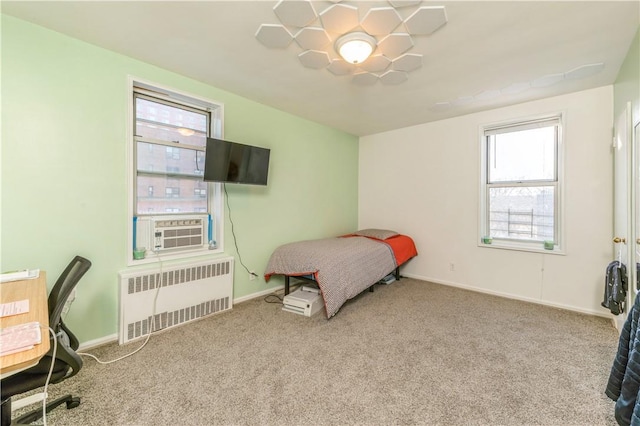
(344, 266)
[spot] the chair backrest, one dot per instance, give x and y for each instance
(63, 288)
(67, 362)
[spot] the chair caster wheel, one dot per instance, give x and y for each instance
(73, 403)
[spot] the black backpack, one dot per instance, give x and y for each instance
(615, 287)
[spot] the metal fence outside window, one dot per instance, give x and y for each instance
(521, 224)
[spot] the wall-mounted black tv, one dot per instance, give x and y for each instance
(232, 162)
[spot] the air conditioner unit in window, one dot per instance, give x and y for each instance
(160, 234)
(177, 233)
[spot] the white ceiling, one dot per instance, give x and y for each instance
(489, 54)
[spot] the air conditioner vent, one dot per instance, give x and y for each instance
(178, 233)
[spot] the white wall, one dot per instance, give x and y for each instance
(423, 181)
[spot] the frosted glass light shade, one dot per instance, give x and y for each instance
(356, 47)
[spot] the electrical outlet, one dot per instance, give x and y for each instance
(252, 275)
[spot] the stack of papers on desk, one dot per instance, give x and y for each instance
(19, 338)
(27, 274)
(14, 308)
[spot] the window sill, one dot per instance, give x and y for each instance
(519, 246)
(151, 257)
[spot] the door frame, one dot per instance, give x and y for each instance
(622, 139)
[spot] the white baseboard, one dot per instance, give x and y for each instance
(258, 294)
(618, 322)
(98, 342)
(114, 337)
(510, 296)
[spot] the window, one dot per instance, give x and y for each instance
(172, 192)
(173, 153)
(520, 194)
(169, 133)
(160, 127)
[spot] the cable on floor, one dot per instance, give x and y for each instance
(280, 300)
(151, 326)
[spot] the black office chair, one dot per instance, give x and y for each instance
(67, 362)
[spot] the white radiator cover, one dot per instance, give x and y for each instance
(189, 291)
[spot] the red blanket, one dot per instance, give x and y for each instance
(403, 248)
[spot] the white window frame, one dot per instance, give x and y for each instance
(483, 215)
(215, 193)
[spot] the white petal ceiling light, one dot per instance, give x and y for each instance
(394, 77)
(377, 48)
(295, 13)
(407, 62)
(364, 79)
(275, 36)
(395, 44)
(356, 47)
(340, 18)
(312, 38)
(381, 21)
(404, 3)
(376, 63)
(426, 20)
(341, 67)
(314, 59)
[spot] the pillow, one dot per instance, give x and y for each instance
(379, 234)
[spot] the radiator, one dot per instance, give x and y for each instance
(185, 293)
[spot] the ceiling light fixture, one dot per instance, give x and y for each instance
(186, 132)
(355, 47)
(384, 33)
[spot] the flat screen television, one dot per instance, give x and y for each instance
(233, 162)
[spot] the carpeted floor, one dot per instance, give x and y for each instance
(410, 353)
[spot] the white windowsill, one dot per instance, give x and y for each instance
(152, 257)
(520, 246)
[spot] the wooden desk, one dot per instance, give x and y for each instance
(36, 291)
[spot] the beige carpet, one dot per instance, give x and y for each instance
(412, 352)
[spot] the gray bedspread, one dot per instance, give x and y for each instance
(344, 267)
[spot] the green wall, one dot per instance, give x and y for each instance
(627, 85)
(64, 171)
